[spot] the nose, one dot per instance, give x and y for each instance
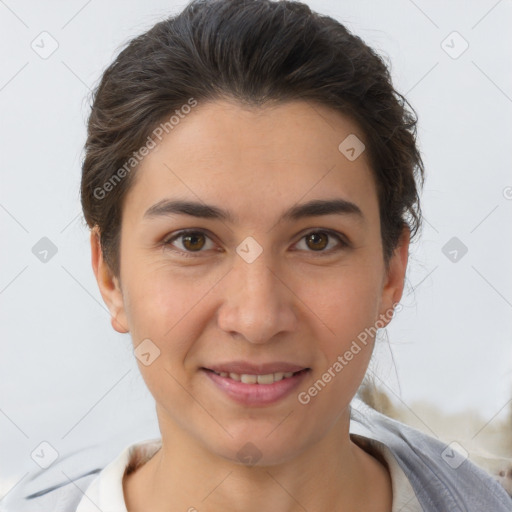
(257, 302)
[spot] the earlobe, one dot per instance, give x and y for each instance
(108, 284)
(117, 326)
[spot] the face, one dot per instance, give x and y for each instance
(275, 267)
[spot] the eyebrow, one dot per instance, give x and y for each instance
(316, 207)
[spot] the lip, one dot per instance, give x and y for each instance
(257, 394)
(255, 369)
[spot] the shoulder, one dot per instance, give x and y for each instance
(61, 486)
(442, 478)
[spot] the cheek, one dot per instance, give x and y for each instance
(163, 306)
(347, 309)
(346, 303)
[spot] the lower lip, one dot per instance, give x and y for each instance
(257, 394)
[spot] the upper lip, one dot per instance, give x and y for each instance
(243, 367)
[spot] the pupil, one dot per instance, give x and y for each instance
(193, 239)
(314, 238)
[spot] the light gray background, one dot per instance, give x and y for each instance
(69, 379)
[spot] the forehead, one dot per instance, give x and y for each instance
(259, 159)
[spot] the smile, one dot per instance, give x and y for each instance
(247, 378)
(256, 389)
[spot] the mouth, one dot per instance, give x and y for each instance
(255, 389)
(248, 378)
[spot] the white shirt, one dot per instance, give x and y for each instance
(89, 480)
(105, 492)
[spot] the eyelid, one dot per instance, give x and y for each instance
(166, 242)
(341, 238)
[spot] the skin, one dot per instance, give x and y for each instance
(294, 303)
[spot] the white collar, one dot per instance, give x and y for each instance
(105, 492)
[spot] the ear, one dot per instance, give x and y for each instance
(108, 284)
(393, 284)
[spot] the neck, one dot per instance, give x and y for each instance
(332, 474)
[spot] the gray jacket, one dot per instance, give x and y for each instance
(442, 479)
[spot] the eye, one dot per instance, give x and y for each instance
(190, 241)
(318, 240)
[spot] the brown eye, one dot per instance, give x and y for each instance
(193, 242)
(322, 242)
(317, 240)
(187, 243)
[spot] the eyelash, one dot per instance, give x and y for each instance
(167, 243)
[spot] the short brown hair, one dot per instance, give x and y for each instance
(255, 52)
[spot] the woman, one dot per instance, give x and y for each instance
(251, 183)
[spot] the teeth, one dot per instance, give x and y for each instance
(246, 378)
(266, 379)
